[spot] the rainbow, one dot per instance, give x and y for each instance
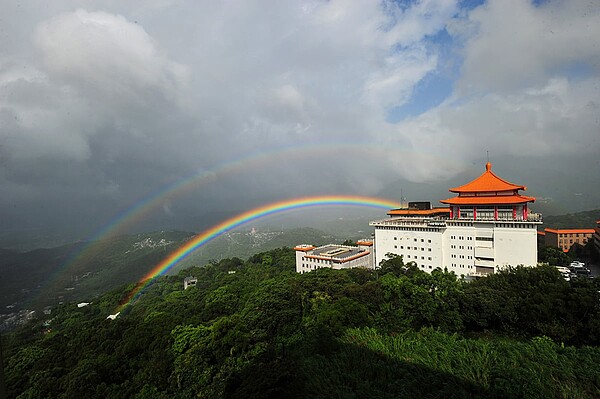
(130, 215)
(246, 217)
(124, 220)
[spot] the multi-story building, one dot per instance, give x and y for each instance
(565, 238)
(486, 227)
(334, 256)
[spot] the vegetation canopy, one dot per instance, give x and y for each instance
(258, 329)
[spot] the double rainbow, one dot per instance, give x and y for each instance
(246, 217)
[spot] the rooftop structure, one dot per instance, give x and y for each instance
(489, 192)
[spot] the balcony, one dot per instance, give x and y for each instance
(484, 263)
(536, 218)
(484, 252)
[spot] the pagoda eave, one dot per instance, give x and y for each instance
(492, 200)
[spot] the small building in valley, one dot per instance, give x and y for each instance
(189, 282)
(334, 256)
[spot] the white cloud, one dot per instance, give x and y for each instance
(515, 43)
(108, 54)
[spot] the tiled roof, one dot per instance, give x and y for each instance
(487, 182)
(489, 200)
(570, 231)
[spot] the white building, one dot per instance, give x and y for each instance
(334, 256)
(189, 281)
(486, 227)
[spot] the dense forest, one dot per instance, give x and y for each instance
(258, 329)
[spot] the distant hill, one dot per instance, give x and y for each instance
(79, 271)
(243, 244)
(82, 271)
(579, 220)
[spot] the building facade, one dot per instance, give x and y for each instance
(487, 226)
(309, 258)
(565, 238)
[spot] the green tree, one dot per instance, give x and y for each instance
(553, 256)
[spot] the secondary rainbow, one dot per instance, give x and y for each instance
(246, 217)
(129, 216)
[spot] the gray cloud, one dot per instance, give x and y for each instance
(104, 103)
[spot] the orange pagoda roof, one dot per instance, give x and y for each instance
(488, 189)
(487, 182)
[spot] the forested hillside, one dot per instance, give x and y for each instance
(81, 271)
(257, 329)
(578, 220)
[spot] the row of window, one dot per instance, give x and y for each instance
(461, 238)
(460, 247)
(574, 234)
(422, 265)
(318, 260)
(414, 239)
(309, 266)
(413, 248)
(461, 256)
(416, 257)
(462, 266)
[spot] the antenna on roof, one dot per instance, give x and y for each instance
(487, 153)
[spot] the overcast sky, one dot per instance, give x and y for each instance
(105, 103)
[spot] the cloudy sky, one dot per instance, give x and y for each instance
(104, 104)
